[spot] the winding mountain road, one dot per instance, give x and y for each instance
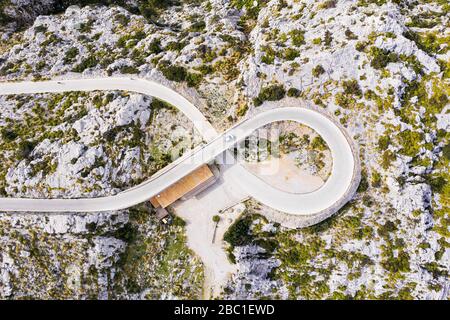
(336, 191)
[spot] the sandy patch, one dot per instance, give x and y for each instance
(282, 173)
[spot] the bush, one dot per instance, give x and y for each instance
(151, 8)
(397, 264)
(383, 142)
(386, 229)
(328, 4)
(435, 269)
(363, 184)
(87, 63)
(129, 70)
(174, 73)
(350, 35)
(271, 93)
(242, 110)
(318, 143)
(293, 92)
(361, 46)
(387, 158)
(130, 40)
(446, 151)
(122, 19)
(70, 55)
(40, 29)
(297, 37)
(291, 54)
(197, 26)
(269, 55)
(8, 134)
(437, 183)
(127, 233)
(328, 38)
(351, 87)
(177, 221)
(410, 141)
(179, 74)
(194, 79)
(238, 233)
(318, 70)
(155, 46)
(381, 58)
(91, 227)
(26, 147)
(175, 46)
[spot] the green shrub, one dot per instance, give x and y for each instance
(269, 55)
(410, 141)
(381, 58)
(293, 92)
(238, 234)
(361, 45)
(204, 69)
(328, 4)
(86, 27)
(122, 19)
(363, 184)
(127, 233)
(376, 179)
(174, 73)
(350, 35)
(179, 74)
(435, 269)
(446, 151)
(271, 93)
(351, 87)
(397, 264)
(318, 143)
(175, 45)
(158, 104)
(45, 166)
(437, 183)
(242, 110)
(291, 54)
(194, 79)
(385, 230)
(129, 70)
(297, 37)
(8, 134)
(197, 26)
(177, 221)
(328, 38)
(91, 227)
(89, 62)
(428, 42)
(155, 46)
(387, 158)
(40, 29)
(318, 70)
(383, 142)
(25, 148)
(70, 55)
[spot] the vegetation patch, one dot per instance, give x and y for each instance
(271, 93)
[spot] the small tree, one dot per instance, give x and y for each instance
(216, 218)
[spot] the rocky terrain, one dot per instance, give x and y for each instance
(380, 67)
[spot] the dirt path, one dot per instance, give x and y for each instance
(198, 213)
